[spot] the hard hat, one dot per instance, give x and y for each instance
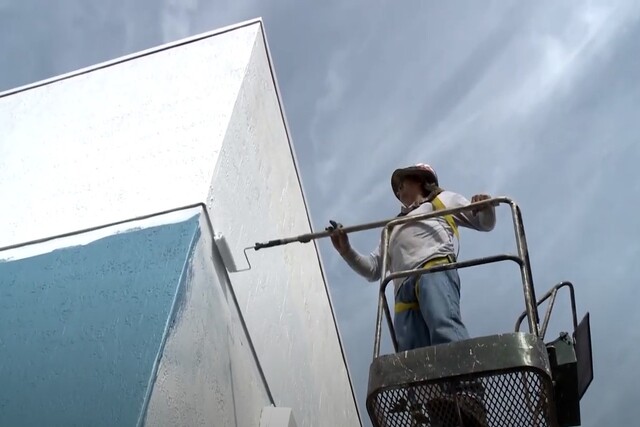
(421, 171)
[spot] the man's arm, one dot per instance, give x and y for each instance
(482, 220)
(368, 266)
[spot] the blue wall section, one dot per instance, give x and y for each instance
(208, 374)
(81, 327)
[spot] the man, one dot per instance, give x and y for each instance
(427, 309)
(427, 306)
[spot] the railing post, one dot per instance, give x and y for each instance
(381, 297)
(552, 294)
(525, 270)
(392, 329)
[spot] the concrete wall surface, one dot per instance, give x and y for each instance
(277, 417)
(283, 297)
(207, 374)
(196, 122)
(125, 324)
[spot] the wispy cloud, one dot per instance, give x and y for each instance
(537, 101)
(176, 18)
(515, 126)
(485, 124)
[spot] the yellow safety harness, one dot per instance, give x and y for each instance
(438, 205)
(404, 306)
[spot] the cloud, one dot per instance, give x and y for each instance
(176, 18)
(536, 101)
(526, 120)
(481, 95)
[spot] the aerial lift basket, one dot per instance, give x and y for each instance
(506, 380)
(510, 379)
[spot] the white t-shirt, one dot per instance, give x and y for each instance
(414, 243)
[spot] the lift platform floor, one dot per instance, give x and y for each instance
(500, 380)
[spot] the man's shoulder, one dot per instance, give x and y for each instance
(451, 199)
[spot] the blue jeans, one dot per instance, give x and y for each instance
(438, 319)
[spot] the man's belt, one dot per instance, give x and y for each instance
(404, 306)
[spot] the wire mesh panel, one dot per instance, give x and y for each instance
(518, 399)
(502, 380)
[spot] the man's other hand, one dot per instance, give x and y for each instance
(479, 198)
(339, 238)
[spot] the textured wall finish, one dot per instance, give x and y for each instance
(144, 135)
(82, 327)
(207, 375)
(85, 326)
(277, 417)
(283, 297)
(198, 121)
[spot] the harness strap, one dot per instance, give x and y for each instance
(438, 205)
(404, 306)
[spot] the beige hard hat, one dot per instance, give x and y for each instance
(421, 171)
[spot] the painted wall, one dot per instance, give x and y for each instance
(132, 326)
(283, 296)
(207, 374)
(82, 327)
(198, 121)
(137, 137)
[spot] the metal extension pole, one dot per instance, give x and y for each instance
(305, 238)
(387, 225)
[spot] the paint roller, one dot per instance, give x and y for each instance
(225, 253)
(227, 256)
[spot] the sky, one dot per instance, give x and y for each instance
(537, 101)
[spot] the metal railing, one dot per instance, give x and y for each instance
(522, 259)
(552, 293)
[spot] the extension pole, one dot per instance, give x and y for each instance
(305, 238)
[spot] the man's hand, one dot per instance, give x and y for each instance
(339, 238)
(479, 198)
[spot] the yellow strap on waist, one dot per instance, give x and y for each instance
(431, 263)
(438, 205)
(404, 306)
(438, 261)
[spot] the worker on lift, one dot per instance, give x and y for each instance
(427, 307)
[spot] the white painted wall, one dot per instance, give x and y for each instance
(129, 139)
(277, 417)
(206, 373)
(283, 297)
(194, 122)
